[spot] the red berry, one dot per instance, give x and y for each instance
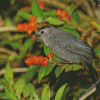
(34, 36)
(68, 17)
(44, 64)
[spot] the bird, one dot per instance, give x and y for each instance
(69, 47)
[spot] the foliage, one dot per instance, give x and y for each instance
(37, 81)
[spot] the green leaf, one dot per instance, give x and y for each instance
(50, 67)
(75, 17)
(23, 14)
(27, 90)
(9, 22)
(1, 82)
(12, 2)
(15, 45)
(60, 92)
(72, 8)
(46, 93)
(27, 44)
(11, 57)
(19, 85)
(41, 73)
(8, 75)
(3, 96)
(31, 72)
(84, 23)
(97, 51)
(76, 67)
(10, 94)
(17, 37)
(47, 50)
(49, 13)
(4, 42)
(73, 31)
(35, 95)
(54, 21)
(56, 58)
(59, 70)
(73, 67)
(36, 11)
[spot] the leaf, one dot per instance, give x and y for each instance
(36, 11)
(4, 42)
(49, 13)
(15, 45)
(59, 70)
(1, 82)
(97, 51)
(54, 21)
(17, 37)
(8, 75)
(35, 95)
(41, 73)
(50, 67)
(76, 67)
(75, 17)
(46, 93)
(3, 96)
(57, 58)
(19, 85)
(12, 2)
(47, 50)
(23, 14)
(9, 22)
(73, 31)
(60, 92)
(27, 90)
(73, 67)
(31, 72)
(72, 8)
(27, 44)
(84, 23)
(10, 94)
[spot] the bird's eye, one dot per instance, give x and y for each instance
(42, 32)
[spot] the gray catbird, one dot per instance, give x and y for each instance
(69, 47)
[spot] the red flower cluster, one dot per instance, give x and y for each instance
(28, 27)
(63, 14)
(37, 60)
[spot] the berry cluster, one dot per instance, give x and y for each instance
(38, 60)
(28, 27)
(63, 14)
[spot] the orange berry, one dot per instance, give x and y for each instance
(44, 64)
(32, 18)
(34, 36)
(45, 58)
(68, 17)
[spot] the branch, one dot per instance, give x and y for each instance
(15, 70)
(8, 29)
(8, 51)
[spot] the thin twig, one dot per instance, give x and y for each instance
(8, 29)
(15, 70)
(8, 51)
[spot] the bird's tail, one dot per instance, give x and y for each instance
(93, 73)
(91, 70)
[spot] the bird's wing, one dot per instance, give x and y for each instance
(73, 44)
